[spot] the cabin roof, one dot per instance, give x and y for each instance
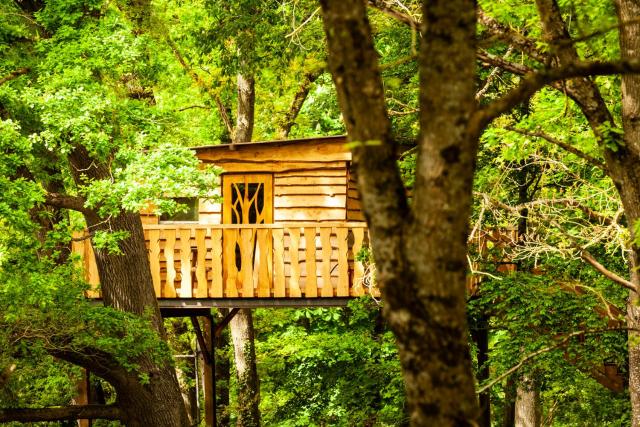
(326, 148)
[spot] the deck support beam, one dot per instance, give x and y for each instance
(224, 322)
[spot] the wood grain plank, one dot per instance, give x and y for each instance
(201, 268)
(357, 288)
(186, 285)
(264, 276)
(278, 263)
(343, 262)
(294, 281)
(247, 256)
(229, 240)
(311, 288)
(169, 290)
(325, 241)
(216, 289)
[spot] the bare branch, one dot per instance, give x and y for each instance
(105, 412)
(190, 107)
(586, 255)
(567, 147)
(533, 82)
(13, 75)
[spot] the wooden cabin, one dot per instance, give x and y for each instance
(288, 229)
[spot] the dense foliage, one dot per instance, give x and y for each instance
(135, 97)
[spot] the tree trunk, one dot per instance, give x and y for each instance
(223, 375)
(509, 407)
(480, 335)
(126, 285)
(246, 106)
(241, 325)
(528, 405)
(628, 162)
(245, 362)
(420, 253)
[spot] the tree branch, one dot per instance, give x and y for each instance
(511, 37)
(290, 116)
(222, 110)
(105, 412)
(544, 350)
(402, 17)
(567, 147)
(533, 82)
(66, 201)
(586, 256)
(14, 75)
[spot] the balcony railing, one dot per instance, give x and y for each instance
(251, 261)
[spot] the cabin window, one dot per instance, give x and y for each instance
(190, 215)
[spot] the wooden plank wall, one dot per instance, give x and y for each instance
(304, 195)
(354, 206)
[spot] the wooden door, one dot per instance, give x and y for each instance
(248, 199)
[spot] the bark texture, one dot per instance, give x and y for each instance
(127, 285)
(300, 96)
(245, 362)
(246, 106)
(628, 165)
(528, 405)
(420, 252)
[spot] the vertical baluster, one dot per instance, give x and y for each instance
(294, 280)
(247, 256)
(327, 250)
(154, 260)
(186, 288)
(311, 288)
(278, 263)
(358, 268)
(216, 264)
(230, 238)
(343, 262)
(169, 290)
(264, 282)
(201, 270)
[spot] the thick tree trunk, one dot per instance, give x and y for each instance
(628, 184)
(245, 362)
(126, 284)
(528, 404)
(241, 325)
(420, 253)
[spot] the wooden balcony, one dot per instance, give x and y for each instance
(267, 261)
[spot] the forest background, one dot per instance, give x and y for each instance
(134, 84)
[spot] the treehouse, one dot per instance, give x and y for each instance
(287, 231)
